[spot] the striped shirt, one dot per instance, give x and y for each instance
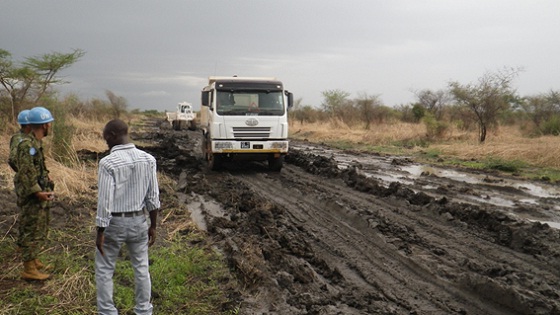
(127, 182)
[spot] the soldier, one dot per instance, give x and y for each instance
(18, 137)
(34, 193)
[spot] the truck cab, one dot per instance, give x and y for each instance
(245, 118)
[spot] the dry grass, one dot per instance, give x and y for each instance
(338, 131)
(69, 181)
(507, 143)
(88, 134)
(74, 181)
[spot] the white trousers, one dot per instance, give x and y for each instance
(132, 231)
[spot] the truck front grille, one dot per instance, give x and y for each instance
(251, 132)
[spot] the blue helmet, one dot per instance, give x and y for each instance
(22, 117)
(39, 115)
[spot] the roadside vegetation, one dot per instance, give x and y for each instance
(482, 125)
(189, 276)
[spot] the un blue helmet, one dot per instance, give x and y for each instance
(22, 117)
(39, 115)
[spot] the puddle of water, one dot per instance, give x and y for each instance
(497, 201)
(388, 178)
(199, 208)
(429, 187)
(536, 190)
(530, 188)
(529, 201)
(555, 225)
(418, 170)
(382, 169)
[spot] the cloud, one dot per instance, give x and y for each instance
(154, 93)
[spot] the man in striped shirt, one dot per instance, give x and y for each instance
(127, 183)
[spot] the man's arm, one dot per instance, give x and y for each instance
(105, 186)
(100, 240)
(152, 202)
(105, 196)
(153, 226)
(27, 173)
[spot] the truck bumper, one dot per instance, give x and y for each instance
(250, 147)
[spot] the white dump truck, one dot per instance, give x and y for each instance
(183, 117)
(245, 118)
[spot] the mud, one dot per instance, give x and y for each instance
(341, 232)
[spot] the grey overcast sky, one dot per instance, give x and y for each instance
(158, 53)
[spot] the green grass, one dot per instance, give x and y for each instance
(187, 277)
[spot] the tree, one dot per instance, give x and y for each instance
(542, 108)
(486, 99)
(369, 107)
(433, 101)
(418, 112)
(334, 102)
(29, 82)
(118, 103)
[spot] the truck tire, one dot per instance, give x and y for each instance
(176, 125)
(192, 125)
(214, 162)
(182, 125)
(275, 164)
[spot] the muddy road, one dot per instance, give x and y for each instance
(350, 233)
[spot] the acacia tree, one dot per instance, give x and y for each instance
(334, 102)
(487, 98)
(368, 107)
(433, 101)
(31, 80)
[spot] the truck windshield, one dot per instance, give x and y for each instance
(250, 103)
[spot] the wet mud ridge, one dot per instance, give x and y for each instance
(321, 238)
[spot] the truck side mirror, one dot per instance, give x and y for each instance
(204, 98)
(290, 99)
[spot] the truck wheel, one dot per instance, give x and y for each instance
(275, 164)
(176, 125)
(182, 124)
(192, 125)
(214, 162)
(204, 147)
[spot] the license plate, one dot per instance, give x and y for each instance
(245, 145)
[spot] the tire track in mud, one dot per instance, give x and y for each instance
(362, 256)
(489, 267)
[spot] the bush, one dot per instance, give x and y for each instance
(551, 126)
(436, 129)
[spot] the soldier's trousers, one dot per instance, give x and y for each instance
(33, 229)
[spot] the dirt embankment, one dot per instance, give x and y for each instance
(320, 239)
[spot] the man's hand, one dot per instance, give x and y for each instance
(45, 195)
(99, 242)
(151, 235)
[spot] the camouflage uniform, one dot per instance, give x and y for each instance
(14, 142)
(32, 177)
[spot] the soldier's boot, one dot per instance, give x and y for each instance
(30, 272)
(41, 266)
